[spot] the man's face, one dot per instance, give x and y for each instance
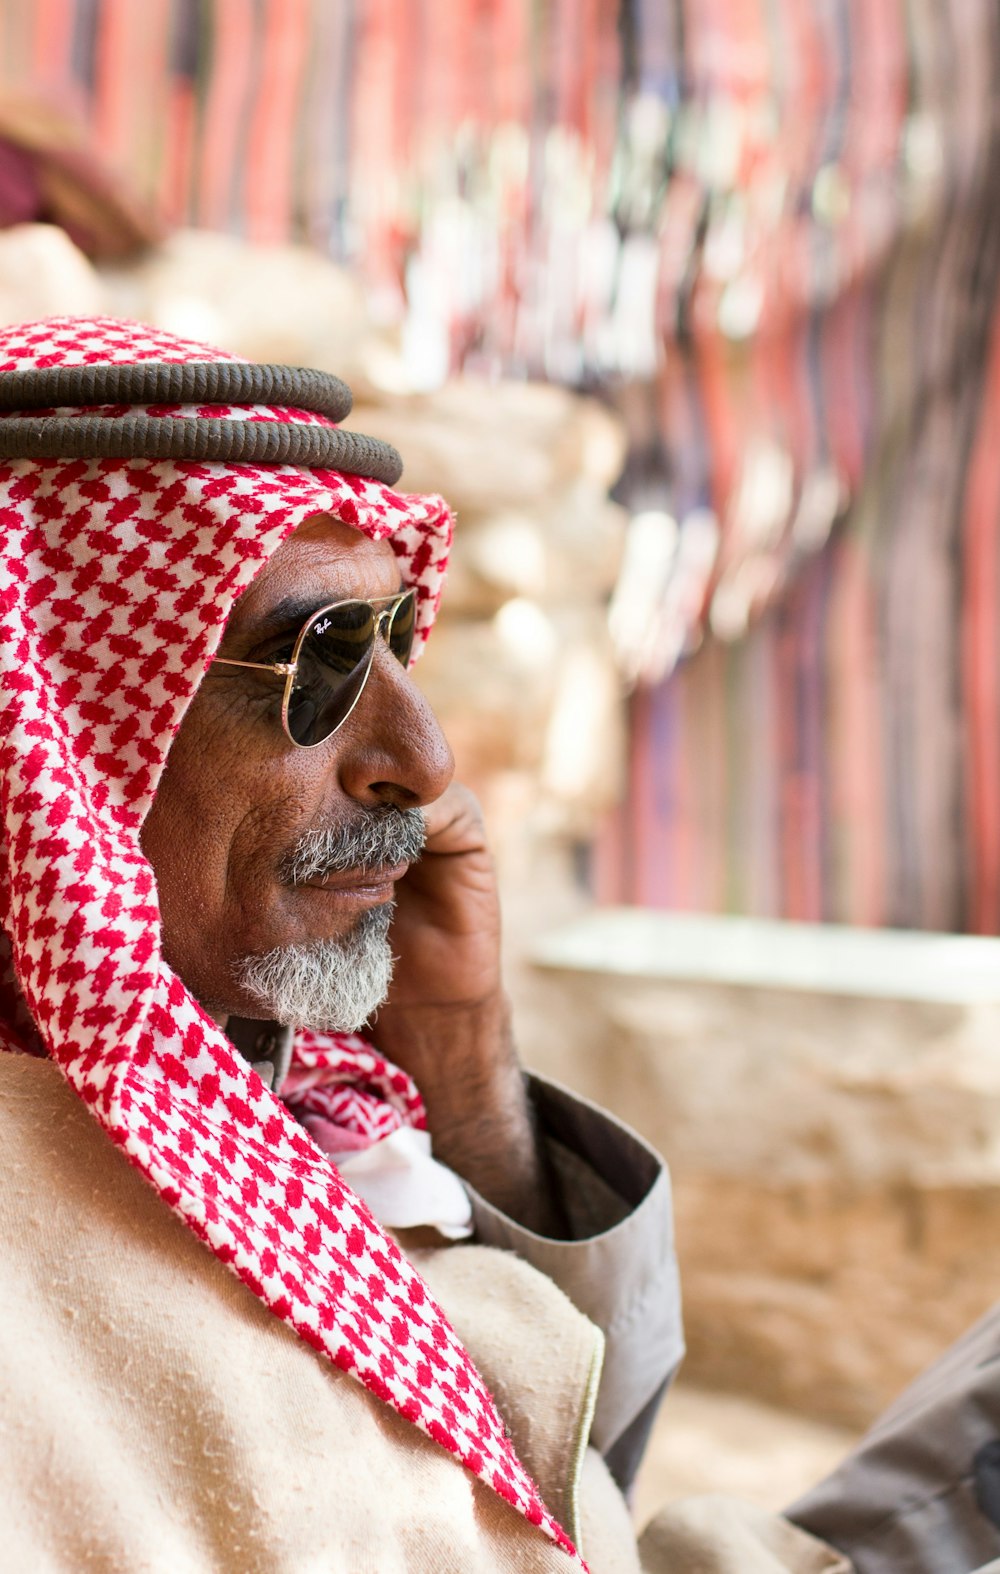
(237, 798)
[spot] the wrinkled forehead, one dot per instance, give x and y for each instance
(334, 537)
(323, 560)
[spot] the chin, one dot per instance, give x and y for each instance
(326, 984)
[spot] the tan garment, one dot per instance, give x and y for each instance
(715, 1535)
(154, 1416)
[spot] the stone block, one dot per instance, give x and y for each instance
(42, 274)
(829, 1101)
(493, 447)
(281, 303)
(566, 550)
(533, 690)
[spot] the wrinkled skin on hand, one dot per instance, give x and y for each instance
(446, 928)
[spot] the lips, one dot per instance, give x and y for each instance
(359, 881)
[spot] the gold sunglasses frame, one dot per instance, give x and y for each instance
(383, 610)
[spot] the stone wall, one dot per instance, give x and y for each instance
(834, 1138)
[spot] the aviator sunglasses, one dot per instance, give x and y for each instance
(331, 659)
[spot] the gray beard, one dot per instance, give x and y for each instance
(330, 985)
(335, 985)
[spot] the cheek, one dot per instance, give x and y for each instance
(231, 800)
(185, 836)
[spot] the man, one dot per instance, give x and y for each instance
(226, 808)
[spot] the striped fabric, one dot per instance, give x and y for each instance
(776, 223)
(832, 751)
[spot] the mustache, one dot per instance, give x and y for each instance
(377, 839)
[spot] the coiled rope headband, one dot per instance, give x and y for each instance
(202, 438)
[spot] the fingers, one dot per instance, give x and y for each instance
(454, 822)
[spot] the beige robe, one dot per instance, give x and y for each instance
(155, 1416)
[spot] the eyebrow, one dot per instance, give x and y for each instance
(292, 611)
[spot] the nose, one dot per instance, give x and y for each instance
(391, 749)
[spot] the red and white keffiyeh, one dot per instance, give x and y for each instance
(367, 1114)
(116, 579)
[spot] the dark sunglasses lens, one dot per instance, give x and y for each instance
(333, 664)
(404, 625)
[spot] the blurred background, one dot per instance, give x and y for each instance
(692, 309)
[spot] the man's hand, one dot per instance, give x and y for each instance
(447, 1021)
(446, 929)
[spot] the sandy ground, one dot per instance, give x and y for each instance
(709, 1442)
